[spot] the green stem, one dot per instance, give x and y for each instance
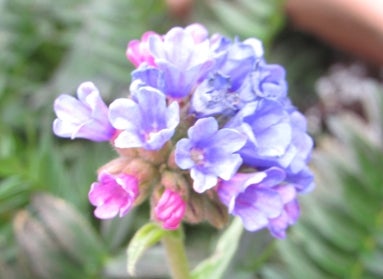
(176, 255)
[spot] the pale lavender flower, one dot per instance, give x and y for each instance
(113, 194)
(170, 210)
(261, 200)
(209, 153)
(183, 58)
(145, 120)
(85, 117)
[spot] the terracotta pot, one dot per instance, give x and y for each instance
(355, 26)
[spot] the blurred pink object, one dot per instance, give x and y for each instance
(138, 52)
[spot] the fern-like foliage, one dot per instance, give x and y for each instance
(341, 232)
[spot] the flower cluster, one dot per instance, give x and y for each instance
(207, 130)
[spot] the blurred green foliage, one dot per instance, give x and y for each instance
(46, 226)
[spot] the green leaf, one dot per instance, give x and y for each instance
(144, 238)
(215, 266)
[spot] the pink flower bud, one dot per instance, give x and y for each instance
(138, 51)
(170, 210)
(113, 194)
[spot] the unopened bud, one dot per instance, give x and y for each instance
(127, 152)
(216, 213)
(146, 174)
(170, 209)
(172, 161)
(176, 182)
(115, 166)
(195, 208)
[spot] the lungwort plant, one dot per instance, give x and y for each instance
(207, 130)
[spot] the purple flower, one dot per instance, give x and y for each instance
(183, 57)
(145, 120)
(170, 210)
(113, 194)
(208, 153)
(85, 117)
(261, 200)
(302, 180)
(290, 213)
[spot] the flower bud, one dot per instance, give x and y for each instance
(127, 152)
(176, 182)
(215, 212)
(170, 209)
(138, 52)
(195, 208)
(113, 194)
(115, 166)
(146, 174)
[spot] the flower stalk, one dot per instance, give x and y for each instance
(176, 255)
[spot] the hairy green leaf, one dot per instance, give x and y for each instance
(144, 238)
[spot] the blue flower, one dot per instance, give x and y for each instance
(85, 117)
(145, 120)
(266, 81)
(241, 77)
(209, 153)
(277, 137)
(268, 130)
(212, 97)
